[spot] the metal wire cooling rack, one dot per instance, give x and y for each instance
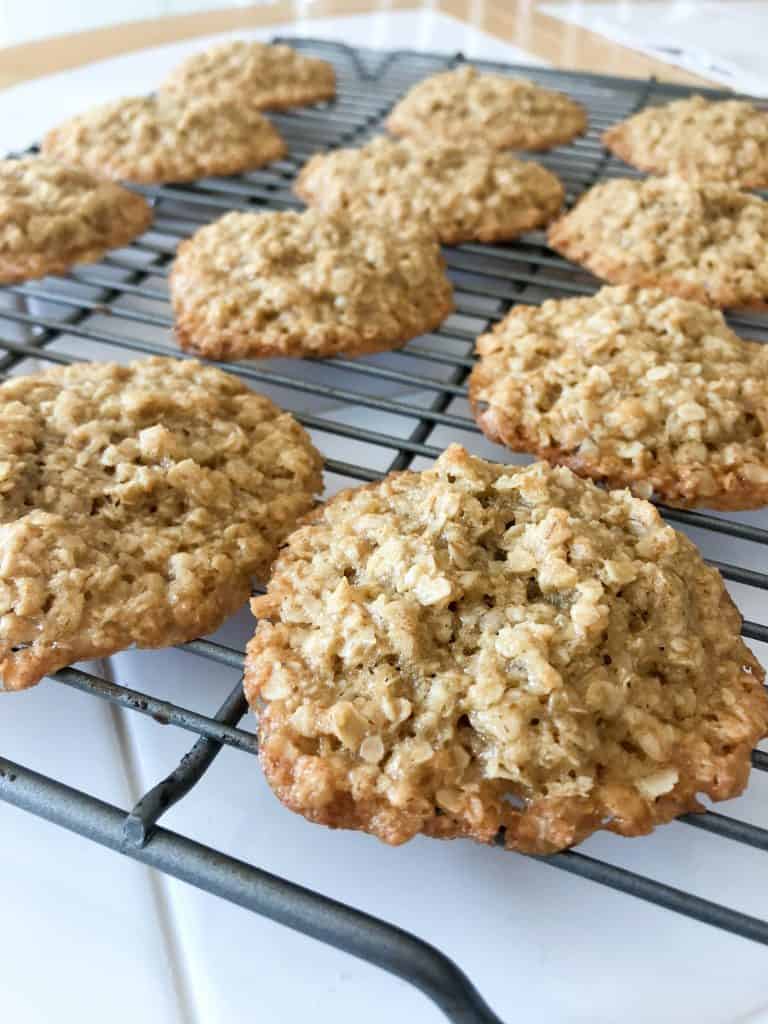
(122, 303)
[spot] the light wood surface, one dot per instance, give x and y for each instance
(515, 21)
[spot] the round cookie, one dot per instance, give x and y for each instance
(634, 388)
(153, 139)
(699, 139)
(466, 193)
(306, 284)
(267, 77)
(464, 105)
(136, 503)
(481, 647)
(52, 217)
(704, 241)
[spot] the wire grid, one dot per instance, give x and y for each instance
(122, 303)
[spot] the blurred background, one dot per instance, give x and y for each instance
(718, 40)
(24, 20)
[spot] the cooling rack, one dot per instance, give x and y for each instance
(121, 303)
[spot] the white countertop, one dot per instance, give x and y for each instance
(89, 935)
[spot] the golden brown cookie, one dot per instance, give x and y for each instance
(136, 503)
(52, 217)
(464, 105)
(466, 193)
(265, 76)
(634, 388)
(481, 647)
(166, 138)
(306, 284)
(698, 139)
(703, 241)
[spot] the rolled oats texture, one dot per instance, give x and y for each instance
(632, 387)
(481, 647)
(700, 240)
(136, 504)
(464, 192)
(464, 105)
(53, 216)
(166, 138)
(698, 139)
(265, 76)
(306, 284)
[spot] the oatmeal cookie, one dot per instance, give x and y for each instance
(52, 217)
(166, 138)
(136, 503)
(634, 388)
(704, 241)
(481, 647)
(306, 284)
(724, 140)
(266, 76)
(465, 105)
(466, 193)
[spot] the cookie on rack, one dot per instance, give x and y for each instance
(136, 503)
(481, 647)
(465, 192)
(53, 216)
(699, 139)
(265, 76)
(700, 240)
(306, 284)
(465, 105)
(634, 388)
(154, 139)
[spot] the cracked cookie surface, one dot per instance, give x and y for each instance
(136, 504)
(634, 388)
(479, 646)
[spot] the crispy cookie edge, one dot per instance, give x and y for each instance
(24, 668)
(193, 336)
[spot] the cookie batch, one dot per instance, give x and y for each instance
(467, 651)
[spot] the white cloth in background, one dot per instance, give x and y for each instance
(723, 41)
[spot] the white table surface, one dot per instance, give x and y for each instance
(88, 935)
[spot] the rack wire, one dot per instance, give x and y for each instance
(122, 303)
